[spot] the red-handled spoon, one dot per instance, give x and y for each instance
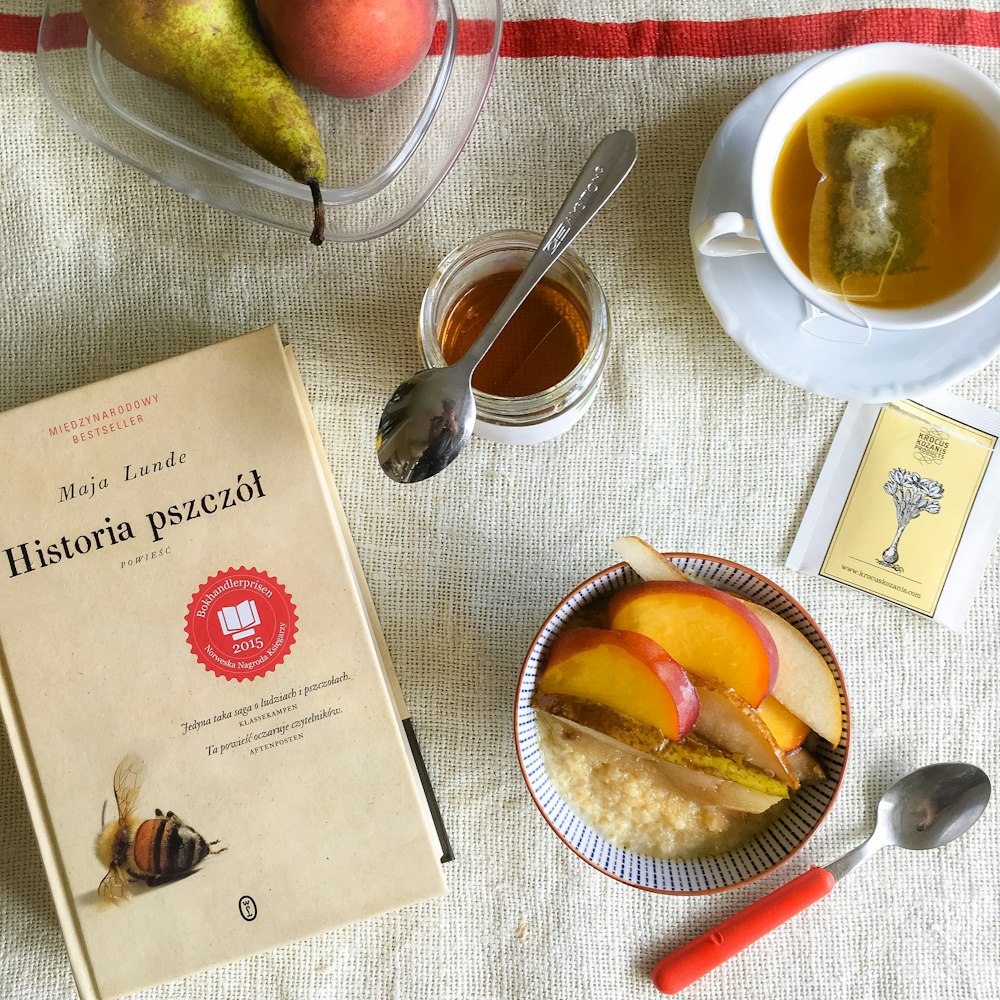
(927, 808)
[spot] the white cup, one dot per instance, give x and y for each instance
(731, 234)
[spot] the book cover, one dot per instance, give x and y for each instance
(194, 684)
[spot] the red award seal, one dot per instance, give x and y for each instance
(240, 623)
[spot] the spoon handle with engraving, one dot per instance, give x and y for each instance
(600, 177)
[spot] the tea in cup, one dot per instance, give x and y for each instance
(875, 188)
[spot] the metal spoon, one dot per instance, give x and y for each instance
(429, 418)
(928, 808)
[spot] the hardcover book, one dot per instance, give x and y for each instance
(212, 741)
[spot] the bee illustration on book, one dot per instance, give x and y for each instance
(155, 851)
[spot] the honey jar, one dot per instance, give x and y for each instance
(545, 368)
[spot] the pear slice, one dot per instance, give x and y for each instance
(693, 752)
(739, 798)
(805, 685)
(806, 767)
(731, 723)
(700, 787)
(646, 561)
(708, 790)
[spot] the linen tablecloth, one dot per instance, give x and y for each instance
(689, 444)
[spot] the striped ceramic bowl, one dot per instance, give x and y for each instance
(765, 852)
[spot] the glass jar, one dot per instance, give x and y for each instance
(541, 415)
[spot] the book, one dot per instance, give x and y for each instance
(214, 747)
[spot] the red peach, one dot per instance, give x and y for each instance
(708, 632)
(625, 671)
(349, 48)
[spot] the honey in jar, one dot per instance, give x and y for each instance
(542, 343)
(543, 371)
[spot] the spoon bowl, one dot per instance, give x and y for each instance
(426, 423)
(933, 805)
(429, 418)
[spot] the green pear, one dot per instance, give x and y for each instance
(213, 51)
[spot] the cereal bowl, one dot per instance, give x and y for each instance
(778, 835)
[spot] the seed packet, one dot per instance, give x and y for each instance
(907, 505)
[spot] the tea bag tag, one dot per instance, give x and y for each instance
(823, 326)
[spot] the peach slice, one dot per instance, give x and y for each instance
(729, 722)
(625, 671)
(708, 632)
(788, 730)
(805, 685)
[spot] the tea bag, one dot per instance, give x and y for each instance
(907, 506)
(881, 205)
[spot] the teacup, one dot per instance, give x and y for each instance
(732, 234)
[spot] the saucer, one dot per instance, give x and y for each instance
(761, 311)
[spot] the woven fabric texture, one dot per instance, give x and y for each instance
(689, 444)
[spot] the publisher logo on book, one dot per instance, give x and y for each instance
(241, 623)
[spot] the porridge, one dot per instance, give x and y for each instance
(631, 801)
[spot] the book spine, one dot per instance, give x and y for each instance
(425, 782)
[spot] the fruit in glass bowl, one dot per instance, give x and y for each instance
(386, 155)
(349, 48)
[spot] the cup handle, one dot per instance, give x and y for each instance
(728, 234)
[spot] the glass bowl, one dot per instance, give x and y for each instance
(786, 832)
(387, 153)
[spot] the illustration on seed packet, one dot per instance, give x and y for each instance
(912, 494)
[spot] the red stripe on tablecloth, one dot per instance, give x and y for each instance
(630, 40)
(751, 36)
(18, 34)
